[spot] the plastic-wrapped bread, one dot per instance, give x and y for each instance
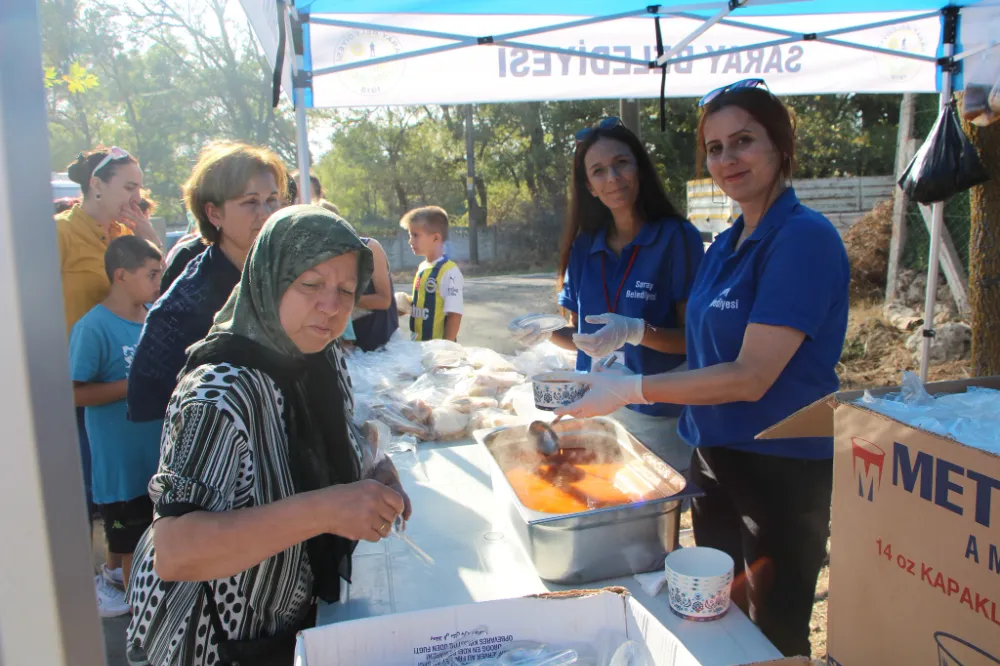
(442, 354)
(377, 433)
(417, 411)
(482, 358)
(395, 419)
(494, 418)
(448, 423)
(471, 404)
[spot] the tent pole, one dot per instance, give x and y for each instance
(302, 146)
(47, 609)
(934, 258)
(628, 109)
(470, 164)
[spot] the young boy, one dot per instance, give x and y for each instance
(124, 454)
(436, 304)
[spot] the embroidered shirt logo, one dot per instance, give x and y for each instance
(722, 303)
(643, 291)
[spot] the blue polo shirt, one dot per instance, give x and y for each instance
(792, 271)
(667, 255)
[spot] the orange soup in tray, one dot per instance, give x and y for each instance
(579, 478)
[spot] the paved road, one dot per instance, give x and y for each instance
(492, 302)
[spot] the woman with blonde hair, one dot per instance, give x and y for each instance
(232, 191)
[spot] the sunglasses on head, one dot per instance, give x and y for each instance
(113, 155)
(739, 85)
(607, 123)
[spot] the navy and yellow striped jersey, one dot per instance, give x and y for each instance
(437, 291)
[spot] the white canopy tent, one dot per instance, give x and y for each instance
(351, 53)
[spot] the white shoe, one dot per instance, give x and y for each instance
(113, 576)
(110, 601)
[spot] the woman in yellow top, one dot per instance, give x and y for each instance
(111, 181)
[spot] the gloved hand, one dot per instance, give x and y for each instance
(607, 392)
(529, 336)
(616, 332)
(403, 303)
(614, 368)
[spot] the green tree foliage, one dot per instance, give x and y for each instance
(162, 77)
(158, 78)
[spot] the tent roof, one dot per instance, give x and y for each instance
(603, 7)
(389, 52)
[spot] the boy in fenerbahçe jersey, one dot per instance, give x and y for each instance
(436, 302)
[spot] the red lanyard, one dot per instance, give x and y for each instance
(604, 278)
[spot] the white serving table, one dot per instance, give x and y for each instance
(477, 557)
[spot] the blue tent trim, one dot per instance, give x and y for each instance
(603, 7)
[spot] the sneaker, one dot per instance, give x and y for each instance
(110, 601)
(113, 576)
(136, 656)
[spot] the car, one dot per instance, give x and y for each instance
(62, 186)
(172, 238)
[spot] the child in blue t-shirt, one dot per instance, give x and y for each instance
(124, 454)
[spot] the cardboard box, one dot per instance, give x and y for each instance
(599, 618)
(915, 547)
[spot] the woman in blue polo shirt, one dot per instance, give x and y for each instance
(627, 263)
(766, 322)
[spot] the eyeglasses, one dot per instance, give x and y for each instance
(739, 85)
(113, 155)
(607, 123)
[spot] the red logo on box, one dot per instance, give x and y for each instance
(872, 458)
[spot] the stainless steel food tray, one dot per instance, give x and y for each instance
(600, 543)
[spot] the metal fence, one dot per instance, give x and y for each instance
(842, 200)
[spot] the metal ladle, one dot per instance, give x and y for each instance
(545, 438)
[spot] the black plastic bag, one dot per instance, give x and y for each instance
(945, 165)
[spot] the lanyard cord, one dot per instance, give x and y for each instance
(604, 279)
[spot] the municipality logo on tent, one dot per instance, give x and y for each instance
(868, 462)
(905, 38)
(358, 46)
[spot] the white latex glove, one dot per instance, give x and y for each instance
(616, 332)
(607, 392)
(529, 336)
(403, 303)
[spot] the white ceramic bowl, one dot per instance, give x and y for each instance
(551, 394)
(699, 582)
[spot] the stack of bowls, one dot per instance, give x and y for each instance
(699, 582)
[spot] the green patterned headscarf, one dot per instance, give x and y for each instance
(292, 241)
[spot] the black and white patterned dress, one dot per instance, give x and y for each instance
(224, 447)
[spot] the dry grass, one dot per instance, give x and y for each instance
(875, 354)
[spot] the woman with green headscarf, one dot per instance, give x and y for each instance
(259, 498)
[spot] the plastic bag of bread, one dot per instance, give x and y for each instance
(494, 418)
(442, 354)
(377, 433)
(471, 404)
(393, 416)
(482, 358)
(448, 423)
(417, 411)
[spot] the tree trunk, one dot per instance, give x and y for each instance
(984, 253)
